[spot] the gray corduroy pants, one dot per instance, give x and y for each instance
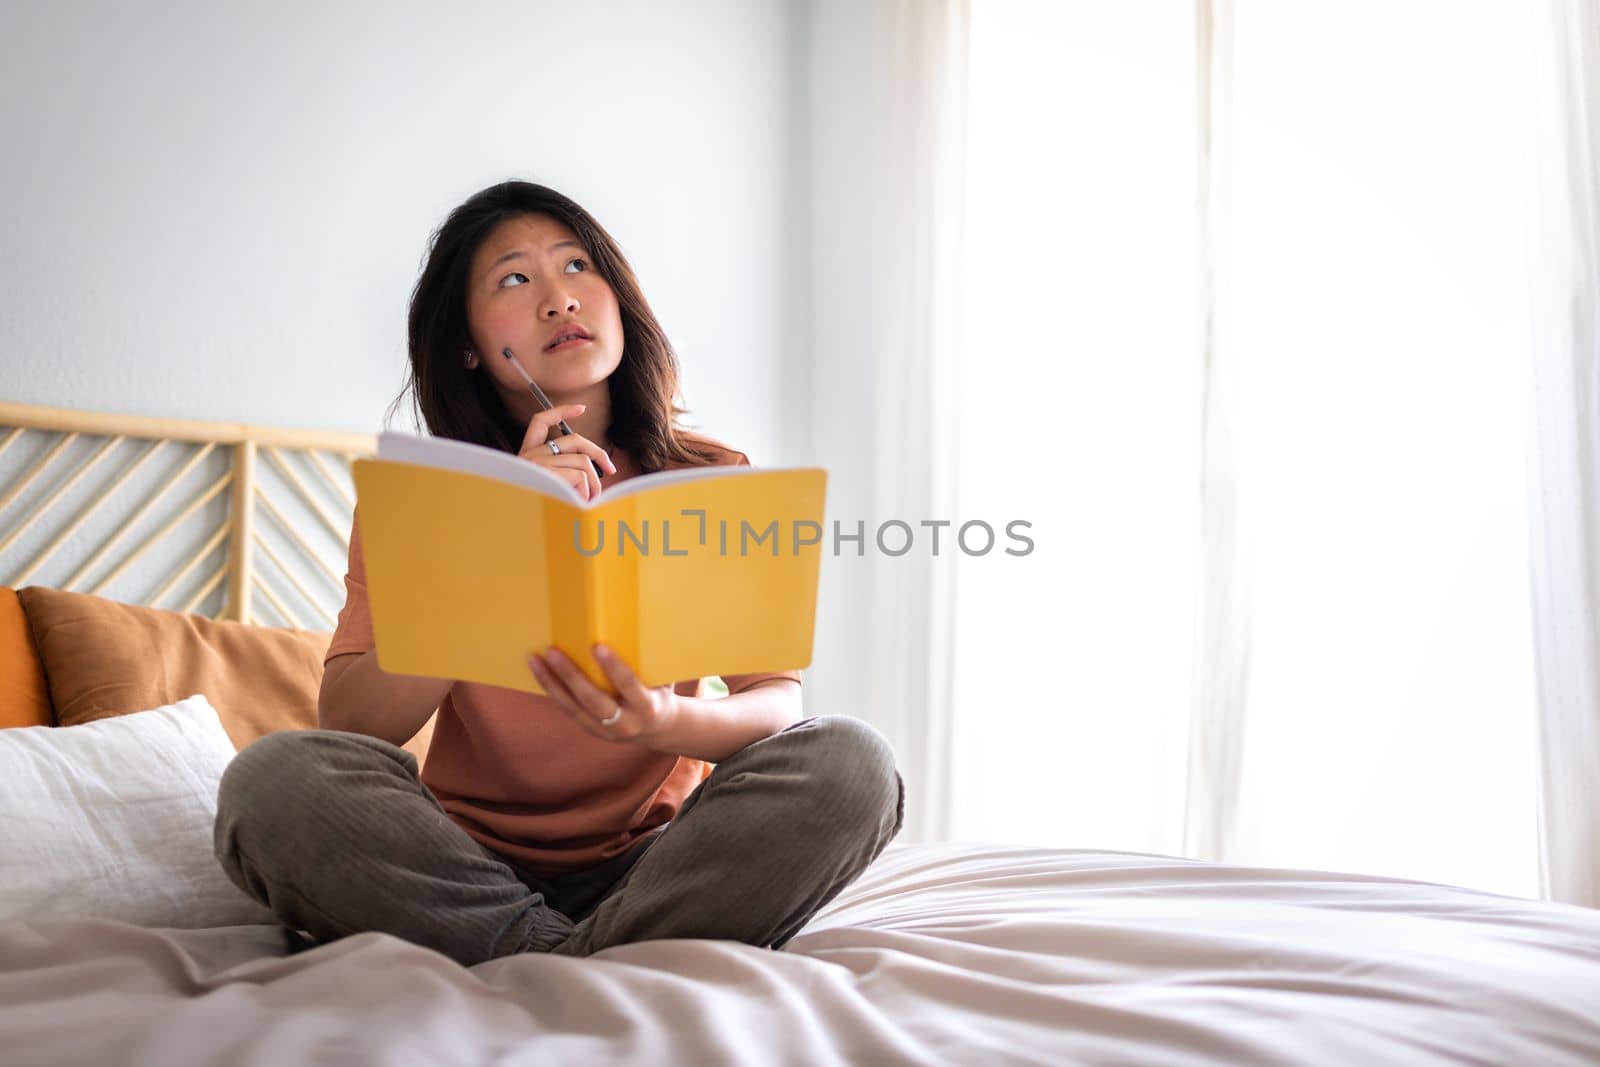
(336, 833)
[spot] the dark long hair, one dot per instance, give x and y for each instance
(452, 401)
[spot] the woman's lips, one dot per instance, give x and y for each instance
(564, 345)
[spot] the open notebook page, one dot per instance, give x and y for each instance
(448, 454)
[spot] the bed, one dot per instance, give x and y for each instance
(941, 953)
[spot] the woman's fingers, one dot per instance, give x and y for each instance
(583, 455)
(629, 687)
(577, 472)
(634, 712)
(574, 470)
(584, 693)
(580, 480)
(577, 452)
(575, 467)
(543, 424)
(573, 442)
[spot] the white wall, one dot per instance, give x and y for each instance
(218, 211)
(847, 287)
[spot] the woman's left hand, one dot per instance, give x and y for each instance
(644, 711)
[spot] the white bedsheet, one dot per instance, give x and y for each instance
(939, 954)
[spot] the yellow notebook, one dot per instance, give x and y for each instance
(475, 558)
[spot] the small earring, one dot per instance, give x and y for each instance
(470, 360)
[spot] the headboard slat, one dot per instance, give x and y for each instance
(133, 520)
(335, 527)
(333, 483)
(16, 580)
(80, 509)
(182, 572)
(171, 524)
(289, 575)
(37, 469)
(295, 536)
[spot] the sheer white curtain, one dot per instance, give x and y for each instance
(1079, 416)
(1373, 335)
(1564, 437)
(1350, 582)
(886, 139)
(1279, 607)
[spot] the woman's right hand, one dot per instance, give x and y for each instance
(571, 464)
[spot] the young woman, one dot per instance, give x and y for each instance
(571, 821)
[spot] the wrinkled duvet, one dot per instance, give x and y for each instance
(939, 954)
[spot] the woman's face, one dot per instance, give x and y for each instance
(530, 282)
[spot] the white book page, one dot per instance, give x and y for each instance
(641, 482)
(446, 454)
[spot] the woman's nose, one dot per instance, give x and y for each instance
(558, 303)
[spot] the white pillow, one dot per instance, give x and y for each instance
(112, 819)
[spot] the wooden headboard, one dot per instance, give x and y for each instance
(222, 519)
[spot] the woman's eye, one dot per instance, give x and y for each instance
(524, 278)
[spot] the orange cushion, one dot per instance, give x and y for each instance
(24, 698)
(103, 658)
